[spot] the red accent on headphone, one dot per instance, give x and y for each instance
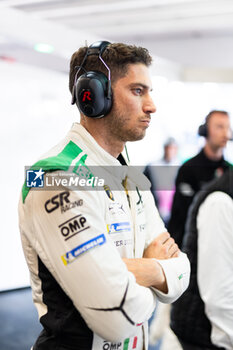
(86, 95)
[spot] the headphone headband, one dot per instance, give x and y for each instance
(97, 48)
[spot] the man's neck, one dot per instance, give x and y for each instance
(103, 137)
(213, 153)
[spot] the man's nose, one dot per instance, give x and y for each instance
(149, 106)
(229, 133)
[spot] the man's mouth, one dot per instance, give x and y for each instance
(146, 121)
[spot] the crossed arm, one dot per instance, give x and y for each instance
(147, 270)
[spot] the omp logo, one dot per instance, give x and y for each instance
(73, 254)
(111, 346)
(73, 226)
(129, 343)
(35, 178)
(56, 201)
(118, 227)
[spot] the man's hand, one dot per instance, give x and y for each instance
(148, 273)
(162, 247)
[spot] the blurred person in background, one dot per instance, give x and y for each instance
(161, 174)
(203, 317)
(208, 164)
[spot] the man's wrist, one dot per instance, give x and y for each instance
(161, 282)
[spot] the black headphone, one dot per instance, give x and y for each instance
(203, 128)
(92, 90)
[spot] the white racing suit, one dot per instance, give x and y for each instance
(74, 241)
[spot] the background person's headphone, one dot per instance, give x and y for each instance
(92, 90)
(203, 128)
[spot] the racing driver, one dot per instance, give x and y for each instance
(99, 258)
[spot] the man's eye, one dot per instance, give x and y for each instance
(138, 91)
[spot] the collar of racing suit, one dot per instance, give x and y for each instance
(106, 161)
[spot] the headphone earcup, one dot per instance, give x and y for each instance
(91, 94)
(202, 130)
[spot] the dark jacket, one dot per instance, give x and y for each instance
(188, 319)
(191, 177)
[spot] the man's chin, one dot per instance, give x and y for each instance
(224, 143)
(137, 136)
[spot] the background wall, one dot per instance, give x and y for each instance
(35, 114)
(181, 108)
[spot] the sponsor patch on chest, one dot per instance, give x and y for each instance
(118, 227)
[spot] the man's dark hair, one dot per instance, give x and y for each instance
(117, 56)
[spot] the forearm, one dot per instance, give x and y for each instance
(163, 268)
(147, 270)
(148, 273)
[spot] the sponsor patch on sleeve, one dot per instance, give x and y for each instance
(73, 254)
(73, 226)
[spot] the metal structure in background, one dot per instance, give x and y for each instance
(193, 33)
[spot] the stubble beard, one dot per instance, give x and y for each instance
(117, 123)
